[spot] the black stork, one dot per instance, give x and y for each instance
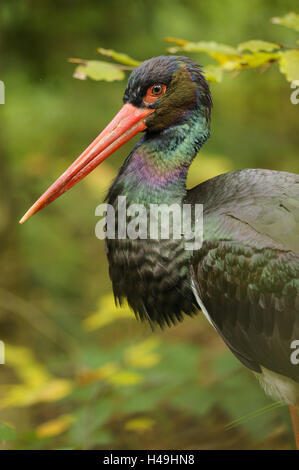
(245, 276)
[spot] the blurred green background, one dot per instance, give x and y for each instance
(80, 373)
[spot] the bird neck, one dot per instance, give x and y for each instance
(155, 282)
(157, 168)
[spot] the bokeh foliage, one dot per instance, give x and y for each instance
(80, 373)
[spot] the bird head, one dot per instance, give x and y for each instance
(161, 93)
(170, 86)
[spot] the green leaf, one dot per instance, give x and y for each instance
(146, 399)
(102, 437)
(289, 64)
(291, 20)
(97, 70)
(118, 57)
(89, 427)
(7, 433)
(257, 45)
(209, 47)
(195, 400)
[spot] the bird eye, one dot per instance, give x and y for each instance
(157, 89)
(154, 92)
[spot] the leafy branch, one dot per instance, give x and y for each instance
(252, 54)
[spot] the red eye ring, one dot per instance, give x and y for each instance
(154, 92)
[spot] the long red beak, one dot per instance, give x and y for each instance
(126, 124)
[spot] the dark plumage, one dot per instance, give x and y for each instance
(245, 276)
(246, 273)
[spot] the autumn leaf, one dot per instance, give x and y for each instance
(38, 385)
(54, 427)
(250, 61)
(290, 20)
(97, 70)
(140, 425)
(213, 73)
(125, 378)
(54, 390)
(209, 47)
(257, 45)
(118, 57)
(289, 64)
(101, 373)
(142, 354)
(107, 313)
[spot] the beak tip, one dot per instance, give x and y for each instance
(24, 218)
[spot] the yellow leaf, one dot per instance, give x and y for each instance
(179, 42)
(101, 373)
(97, 70)
(289, 64)
(55, 390)
(213, 73)
(144, 361)
(18, 395)
(38, 384)
(209, 47)
(107, 313)
(257, 45)
(55, 427)
(26, 395)
(118, 57)
(290, 20)
(26, 366)
(139, 425)
(223, 58)
(249, 61)
(124, 378)
(142, 355)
